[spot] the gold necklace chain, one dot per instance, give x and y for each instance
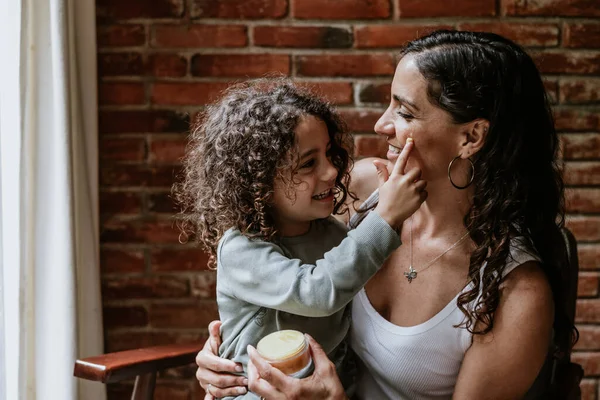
(411, 274)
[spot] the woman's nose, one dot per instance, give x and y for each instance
(384, 125)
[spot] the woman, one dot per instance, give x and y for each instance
(468, 309)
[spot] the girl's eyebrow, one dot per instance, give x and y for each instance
(405, 101)
(308, 153)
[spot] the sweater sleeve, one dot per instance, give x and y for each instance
(258, 272)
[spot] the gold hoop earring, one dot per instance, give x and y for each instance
(472, 173)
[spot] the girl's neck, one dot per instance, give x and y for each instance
(294, 229)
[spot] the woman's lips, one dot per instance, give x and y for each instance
(393, 152)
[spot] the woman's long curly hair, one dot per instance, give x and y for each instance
(238, 147)
(518, 187)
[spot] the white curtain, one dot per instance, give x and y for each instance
(50, 304)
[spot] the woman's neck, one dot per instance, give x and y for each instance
(443, 212)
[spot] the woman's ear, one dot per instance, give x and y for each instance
(473, 137)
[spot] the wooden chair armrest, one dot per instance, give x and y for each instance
(114, 367)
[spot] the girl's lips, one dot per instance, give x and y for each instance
(326, 199)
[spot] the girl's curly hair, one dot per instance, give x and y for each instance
(519, 189)
(238, 147)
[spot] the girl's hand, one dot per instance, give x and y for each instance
(273, 384)
(400, 193)
(215, 374)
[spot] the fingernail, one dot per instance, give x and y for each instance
(239, 368)
(245, 381)
(241, 390)
(409, 140)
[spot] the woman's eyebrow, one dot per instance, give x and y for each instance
(405, 101)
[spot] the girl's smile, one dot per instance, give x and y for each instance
(327, 195)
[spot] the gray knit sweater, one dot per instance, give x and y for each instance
(304, 282)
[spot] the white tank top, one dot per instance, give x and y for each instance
(416, 362)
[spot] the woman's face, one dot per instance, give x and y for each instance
(411, 114)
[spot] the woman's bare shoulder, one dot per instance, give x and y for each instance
(528, 279)
(526, 297)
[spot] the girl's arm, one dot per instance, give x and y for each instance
(260, 273)
(504, 363)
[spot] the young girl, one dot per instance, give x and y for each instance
(265, 169)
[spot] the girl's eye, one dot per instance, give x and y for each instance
(308, 164)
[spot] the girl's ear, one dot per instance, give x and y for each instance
(473, 137)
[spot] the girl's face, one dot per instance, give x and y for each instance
(410, 114)
(307, 192)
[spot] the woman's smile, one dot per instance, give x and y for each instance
(393, 152)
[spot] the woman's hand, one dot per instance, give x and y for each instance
(273, 384)
(215, 374)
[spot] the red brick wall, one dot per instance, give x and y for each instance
(161, 60)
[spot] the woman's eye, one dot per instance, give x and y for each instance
(404, 115)
(308, 164)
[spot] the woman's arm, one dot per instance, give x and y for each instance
(504, 363)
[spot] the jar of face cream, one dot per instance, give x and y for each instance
(287, 350)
